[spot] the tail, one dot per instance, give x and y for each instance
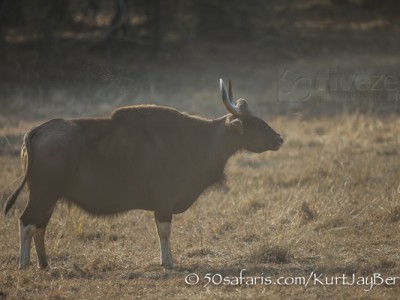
(28, 146)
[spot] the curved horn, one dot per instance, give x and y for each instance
(228, 102)
(230, 92)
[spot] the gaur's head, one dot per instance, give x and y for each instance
(255, 134)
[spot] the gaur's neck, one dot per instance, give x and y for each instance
(226, 141)
(221, 143)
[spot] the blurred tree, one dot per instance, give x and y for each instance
(119, 22)
(388, 6)
(11, 14)
(340, 2)
(154, 22)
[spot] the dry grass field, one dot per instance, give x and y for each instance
(325, 206)
(327, 202)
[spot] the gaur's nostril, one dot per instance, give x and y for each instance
(280, 139)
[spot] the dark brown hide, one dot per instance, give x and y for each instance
(141, 157)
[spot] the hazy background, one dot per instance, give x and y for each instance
(70, 57)
(323, 73)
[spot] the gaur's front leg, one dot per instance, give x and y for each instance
(163, 225)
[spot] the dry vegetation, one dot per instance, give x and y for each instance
(327, 202)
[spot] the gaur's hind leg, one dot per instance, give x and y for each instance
(38, 237)
(33, 222)
(25, 238)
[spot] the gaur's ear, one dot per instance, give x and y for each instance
(236, 125)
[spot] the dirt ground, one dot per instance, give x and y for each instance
(318, 219)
